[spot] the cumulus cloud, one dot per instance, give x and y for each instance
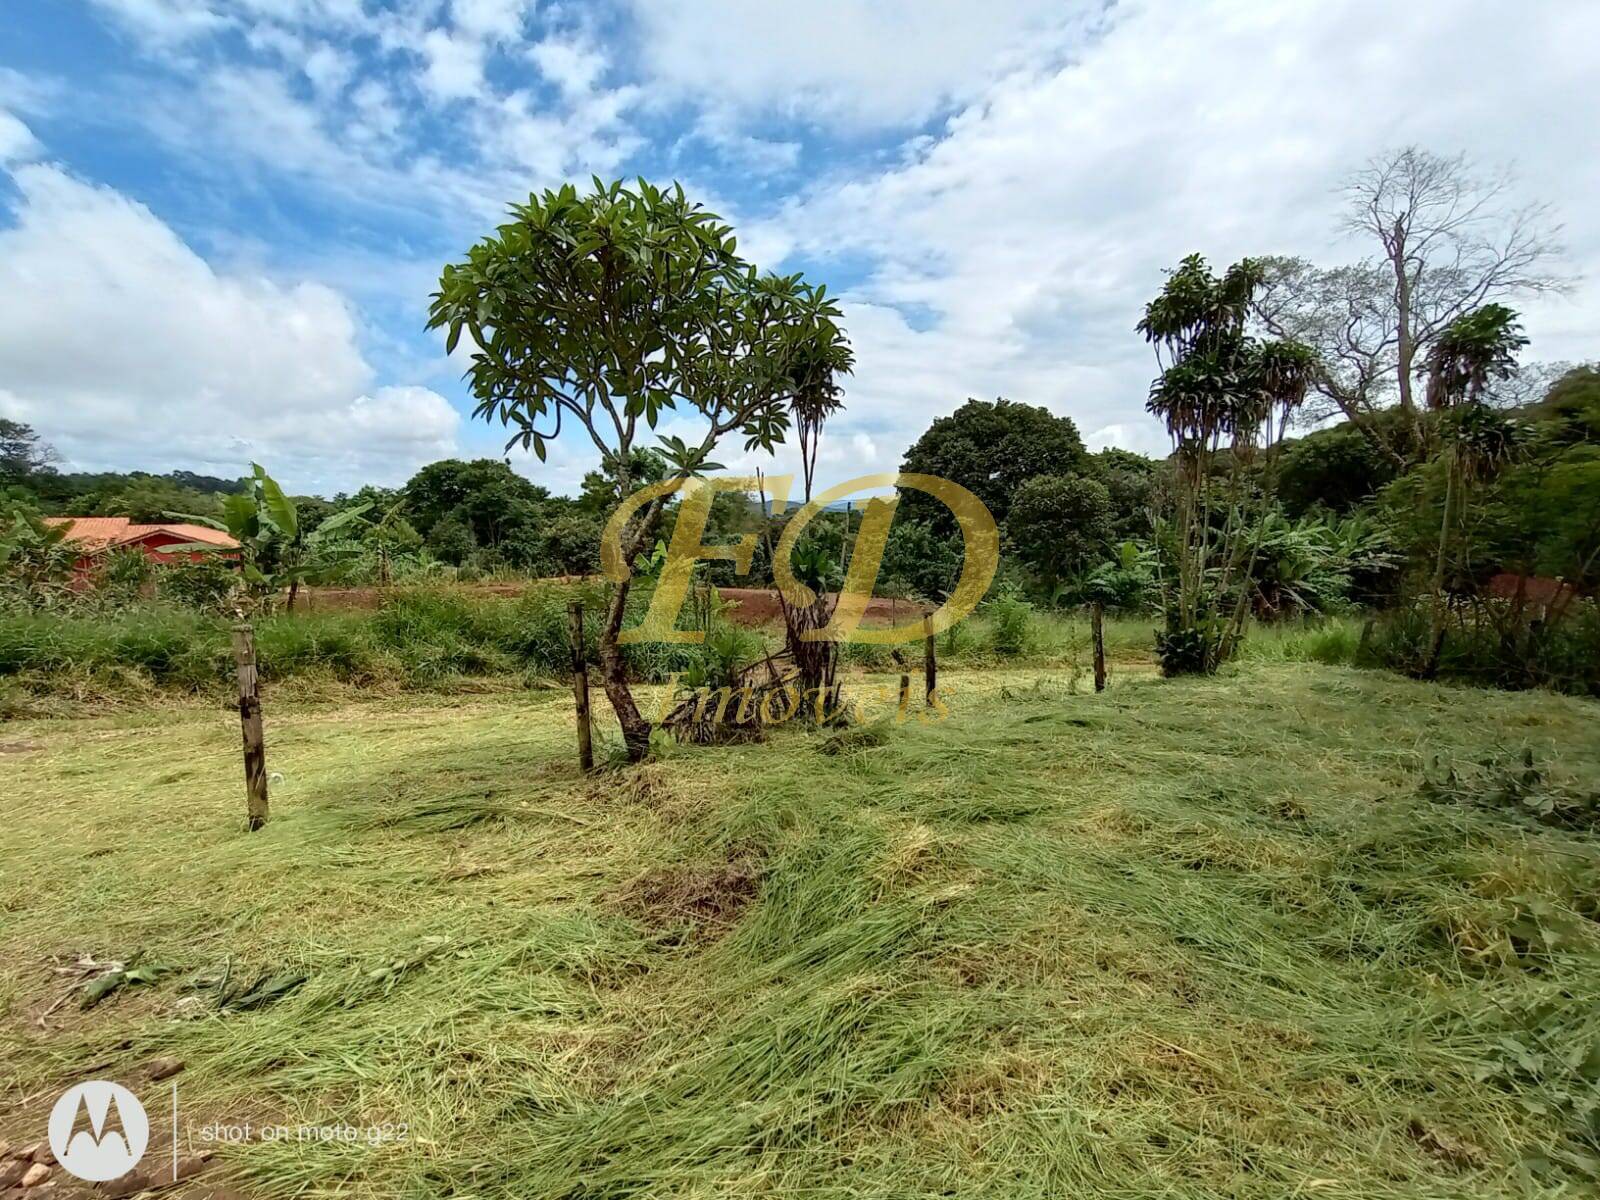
(887, 62)
(122, 346)
(571, 65)
(500, 20)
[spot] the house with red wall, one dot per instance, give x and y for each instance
(95, 537)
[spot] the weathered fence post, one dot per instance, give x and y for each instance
(255, 746)
(1097, 620)
(930, 665)
(580, 685)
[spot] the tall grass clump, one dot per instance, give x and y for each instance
(170, 647)
(436, 634)
(1332, 641)
(339, 644)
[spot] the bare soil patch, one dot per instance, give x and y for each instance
(759, 606)
(702, 895)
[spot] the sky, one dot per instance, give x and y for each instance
(220, 220)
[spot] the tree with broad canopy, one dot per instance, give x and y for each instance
(597, 314)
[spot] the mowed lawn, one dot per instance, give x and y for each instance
(1191, 938)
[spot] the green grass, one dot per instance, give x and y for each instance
(420, 639)
(1188, 938)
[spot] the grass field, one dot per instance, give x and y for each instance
(1188, 938)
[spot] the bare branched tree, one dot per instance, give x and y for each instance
(1450, 239)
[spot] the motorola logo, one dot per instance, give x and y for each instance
(98, 1130)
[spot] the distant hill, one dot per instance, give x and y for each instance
(91, 481)
(837, 506)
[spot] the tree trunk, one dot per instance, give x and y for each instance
(1406, 349)
(614, 678)
(294, 590)
(1097, 622)
(255, 749)
(1430, 667)
(580, 685)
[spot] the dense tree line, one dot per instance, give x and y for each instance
(472, 516)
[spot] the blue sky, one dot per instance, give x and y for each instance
(220, 219)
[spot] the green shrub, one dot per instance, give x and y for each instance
(124, 572)
(288, 646)
(203, 583)
(1485, 646)
(1011, 625)
(1188, 650)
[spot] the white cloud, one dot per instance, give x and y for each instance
(500, 20)
(1143, 438)
(382, 84)
(165, 22)
(122, 346)
(573, 66)
(17, 143)
(455, 65)
(885, 62)
(329, 70)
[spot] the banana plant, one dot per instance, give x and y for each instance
(388, 534)
(275, 550)
(35, 557)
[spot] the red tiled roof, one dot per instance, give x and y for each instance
(95, 534)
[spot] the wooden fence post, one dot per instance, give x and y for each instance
(1097, 619)
(580, 685)
(255, 746)
(930, 665)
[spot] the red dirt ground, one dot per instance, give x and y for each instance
(759, 606)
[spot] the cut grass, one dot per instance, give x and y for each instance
(1189, 938)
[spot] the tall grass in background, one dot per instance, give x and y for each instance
(418, 638)
(1333, 641)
